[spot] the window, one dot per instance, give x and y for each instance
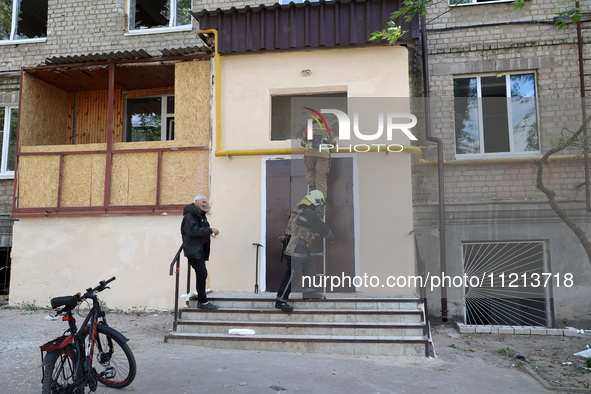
(496, 114)
(288, 117)
(8, 122)
(23, 19)
(158, 14)
(466, 2)
(149, 119)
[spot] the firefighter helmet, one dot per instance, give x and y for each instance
(316, 197)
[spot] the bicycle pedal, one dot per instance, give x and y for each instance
(109, 373)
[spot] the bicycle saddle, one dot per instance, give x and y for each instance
(68, 301)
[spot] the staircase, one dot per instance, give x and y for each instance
(336, 325)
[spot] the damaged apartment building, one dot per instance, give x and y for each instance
(117, 113)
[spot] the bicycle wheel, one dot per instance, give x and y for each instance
(113, 360)
(58, 377)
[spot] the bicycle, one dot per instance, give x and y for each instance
(83, 357)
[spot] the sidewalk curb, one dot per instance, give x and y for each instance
(548, 386)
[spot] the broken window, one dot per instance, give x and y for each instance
(150, 14)
(8, 124)
(23, 19)
(149, 119)
(496, 114)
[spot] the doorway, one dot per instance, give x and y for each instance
(285, 186)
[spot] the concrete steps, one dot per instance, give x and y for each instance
(355, 326)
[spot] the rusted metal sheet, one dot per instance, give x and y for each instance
(98, 57)
(304, 25)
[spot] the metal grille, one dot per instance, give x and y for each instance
(507, 293)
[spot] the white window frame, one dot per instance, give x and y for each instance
(4, 172)
(12, 40)
(511, 153)
(157, 30)
(165, 117)
(476, 2)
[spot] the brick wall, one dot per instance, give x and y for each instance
(6, 193)
(81, 28)
(454, 49)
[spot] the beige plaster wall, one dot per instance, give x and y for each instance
(383, 183)
(67, 255)
(64, 256)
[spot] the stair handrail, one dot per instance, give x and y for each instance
(177, 260)
(429, 351)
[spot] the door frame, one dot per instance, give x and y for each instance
(263, 255)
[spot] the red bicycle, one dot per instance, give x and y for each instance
(83, 357)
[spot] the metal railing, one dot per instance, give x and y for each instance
(177, 261)
(422, 270)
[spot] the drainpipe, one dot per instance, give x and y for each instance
(583, 108)
(442, 252)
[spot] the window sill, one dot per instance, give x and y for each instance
(24, 41)
(498, 157)
(7, 176)
(481, 3)
(158, 30)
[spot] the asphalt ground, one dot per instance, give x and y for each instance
(168, 368)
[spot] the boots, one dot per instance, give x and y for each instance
(283, 305)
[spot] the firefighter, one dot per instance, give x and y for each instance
(317, 155)
(303, 226)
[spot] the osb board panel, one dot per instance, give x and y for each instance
(43, 113)
(38, 181)
(63, 148)
(133, 178)
(83, 180)
(184, 174)
(192, 102)
(92, 116)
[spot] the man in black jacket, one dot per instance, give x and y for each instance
(196, 234)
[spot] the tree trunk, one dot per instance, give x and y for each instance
(581, 235)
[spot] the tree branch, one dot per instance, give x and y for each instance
(580, 234)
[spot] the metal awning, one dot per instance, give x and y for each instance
(134, 69)
(304, 25)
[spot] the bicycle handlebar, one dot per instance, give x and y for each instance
(102, 286)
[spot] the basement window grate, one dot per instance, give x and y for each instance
(506, 292)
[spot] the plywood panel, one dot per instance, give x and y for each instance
(83, 182)
(43, 113)
(63, 148)
(184, 174)
(192, 102)
(38, 178)
(133, 178)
